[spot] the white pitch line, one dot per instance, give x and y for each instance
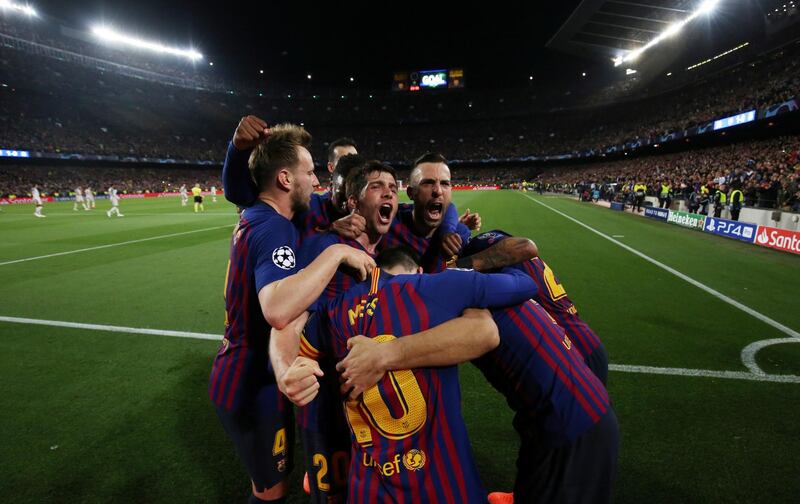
(760, 316)
(15, 261)
(704, 373)
(749, 352)
(110, 328)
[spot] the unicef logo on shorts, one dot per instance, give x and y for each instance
(283, 257)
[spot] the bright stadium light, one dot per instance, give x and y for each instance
(24, 9)
(706, 7)
(109, 35)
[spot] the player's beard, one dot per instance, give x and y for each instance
(300, 201)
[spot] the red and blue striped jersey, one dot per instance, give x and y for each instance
(552, 295)
(543, 376)
(410, 442)
(315, 414)
(343, 279)
(318, 218)
(402, 232)
(262, 251)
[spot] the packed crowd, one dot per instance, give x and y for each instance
(56, 181)
(55, 106)
(767, 172)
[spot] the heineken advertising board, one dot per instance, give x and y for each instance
(686, 219)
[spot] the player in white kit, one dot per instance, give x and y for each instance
(184, 195)
(89, 196)
(213, 193)
(114, 197)
(79, 200)
(37, 200)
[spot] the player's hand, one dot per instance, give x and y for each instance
(299, 383)
(471, 220)
(358, 260)
(361, 368)
(350, 226)
(451, 244)
(249, 132)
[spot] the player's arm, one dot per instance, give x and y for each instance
(452, 240)
(237, 183)
(506, 252)
(296, 375)
(470, 289)
(285, 299)
(453, 342)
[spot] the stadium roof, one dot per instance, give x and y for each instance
(608, 28)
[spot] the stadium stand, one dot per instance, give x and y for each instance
(768, 171)
(67, 98)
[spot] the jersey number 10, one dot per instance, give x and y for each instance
(371, 408)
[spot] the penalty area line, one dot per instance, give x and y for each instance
(704, 373)
(109, 245)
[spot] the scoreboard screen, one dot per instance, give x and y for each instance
(432, 78)
(418, 80)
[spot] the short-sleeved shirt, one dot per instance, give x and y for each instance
(552, 294)
(263, 250)
(410, 442)
(402, 232)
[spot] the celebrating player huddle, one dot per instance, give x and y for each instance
(349, 294)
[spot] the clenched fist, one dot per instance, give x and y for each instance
(249, 132)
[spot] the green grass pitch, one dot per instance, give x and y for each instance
(100, 416)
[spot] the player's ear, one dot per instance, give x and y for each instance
(410, 191)
(352, 203)
(419, 270)
(284, 179)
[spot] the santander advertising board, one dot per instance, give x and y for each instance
(781, 239)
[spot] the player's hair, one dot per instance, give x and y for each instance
(428, 157)
(401, 255)
(340, 142)
(278, 150)
(357, 179)
(347, 163)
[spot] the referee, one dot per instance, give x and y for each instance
(198, 198)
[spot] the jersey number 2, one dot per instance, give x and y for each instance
(555, 289)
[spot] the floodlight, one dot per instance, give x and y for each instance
(25, 9)
(706, 7)
(673, 29)
(110, 35)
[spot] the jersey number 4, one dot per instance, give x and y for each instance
(371, 408)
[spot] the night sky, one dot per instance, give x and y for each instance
(499, 44)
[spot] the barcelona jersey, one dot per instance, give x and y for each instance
(552, 295)
(402, 232)
(543, 376)
(318, 218)
(262, 251)
(410, 442)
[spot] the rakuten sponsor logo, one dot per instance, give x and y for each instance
(781, 239)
